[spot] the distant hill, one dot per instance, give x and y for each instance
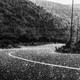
(60, 10)
(77, 6)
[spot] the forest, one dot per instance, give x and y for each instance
(23, 22)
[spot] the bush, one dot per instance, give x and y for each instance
(4, 43)
(68, 49)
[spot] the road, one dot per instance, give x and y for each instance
(42, 63)
(14, 66)
(50, 48)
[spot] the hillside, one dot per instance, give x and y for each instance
(64, 12)
(77, 6)
(60, 10)
(21, 21)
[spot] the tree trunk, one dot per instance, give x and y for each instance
(74, 36)
(72, 30)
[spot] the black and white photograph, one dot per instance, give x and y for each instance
(39, 39)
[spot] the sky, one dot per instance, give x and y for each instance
(66, 1)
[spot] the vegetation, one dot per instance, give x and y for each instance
(72, 50)
(21, 21)
(64, 12)
(60, 10)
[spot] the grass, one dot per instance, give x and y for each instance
(15, 69)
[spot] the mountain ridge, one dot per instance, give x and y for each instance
(58, 9)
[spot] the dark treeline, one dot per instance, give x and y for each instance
(21, 21)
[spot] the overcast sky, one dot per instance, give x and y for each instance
(66, 1)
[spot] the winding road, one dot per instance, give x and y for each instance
(42, 63)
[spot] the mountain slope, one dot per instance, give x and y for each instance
(64, 12)
(23, 21)
(60, 10)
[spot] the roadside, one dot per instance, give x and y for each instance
(51, 47)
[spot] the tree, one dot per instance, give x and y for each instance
(71, 41)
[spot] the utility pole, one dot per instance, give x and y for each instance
(71, 29)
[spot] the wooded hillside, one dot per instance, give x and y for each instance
(23, 21)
